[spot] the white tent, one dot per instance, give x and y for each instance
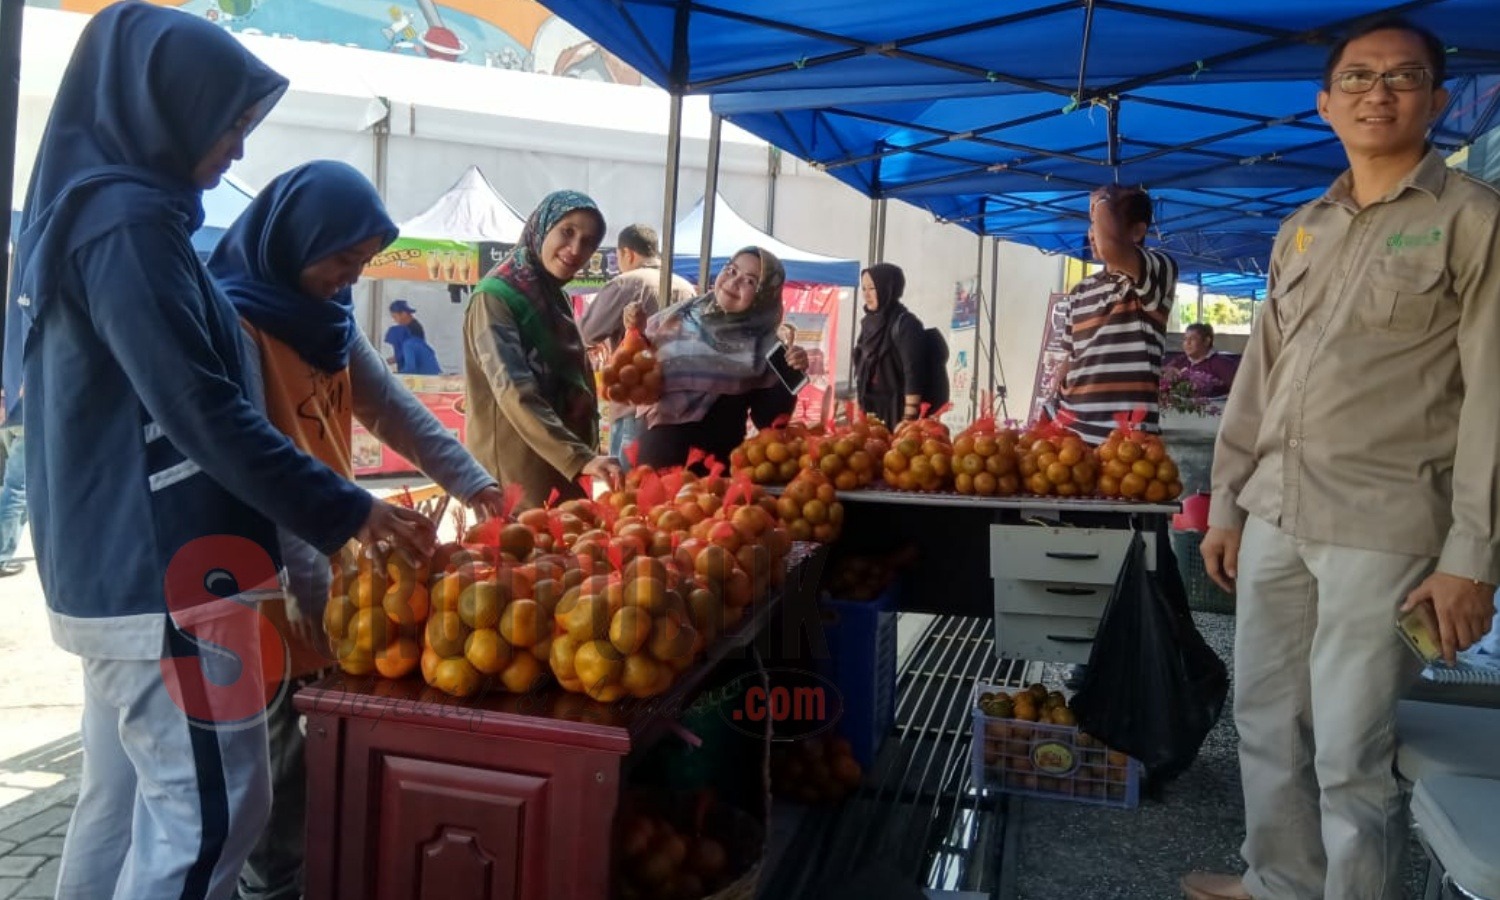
(732, 233)
(472, 210)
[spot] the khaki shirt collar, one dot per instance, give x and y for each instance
(1429, 176)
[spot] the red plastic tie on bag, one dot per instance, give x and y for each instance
(616, 558)
(587, 483)
(715, 468)
(695, 456)
(633, 453)
(651, 492)
(551, 498)
(782, 420)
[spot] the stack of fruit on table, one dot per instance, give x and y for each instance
(985, 460)
(920, 458)
(773, 455)
(614, 598)
(1029, 741)
(1054, 461)
(809, 508)
(850, 455)
(1134, 465)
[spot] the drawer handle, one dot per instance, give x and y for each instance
(1069, 639)
(1072, 591)
(1071, 557)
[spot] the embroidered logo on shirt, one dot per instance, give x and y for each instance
(1398, 241)
(1303, 240)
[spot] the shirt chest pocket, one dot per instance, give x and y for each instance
(1405, 295)
(1288, 296)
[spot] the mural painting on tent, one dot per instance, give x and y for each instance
(517, 34)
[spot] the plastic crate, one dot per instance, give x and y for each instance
(1054, 762)
(861, 663)
(1202, 594)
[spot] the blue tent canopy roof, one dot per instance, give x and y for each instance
(707, 46)
(1001, 117)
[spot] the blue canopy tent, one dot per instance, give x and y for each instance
(731, 233)
(1001, 117)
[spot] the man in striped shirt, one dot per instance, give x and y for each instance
(1117, 319)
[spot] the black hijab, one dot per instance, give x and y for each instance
(877, 327)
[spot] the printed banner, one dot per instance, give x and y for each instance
(1052, 354)
(965, 305)
(418, 259)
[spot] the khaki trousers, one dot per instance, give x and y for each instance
(1318, 671)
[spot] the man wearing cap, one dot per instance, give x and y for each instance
(603, 322)
(403, 314)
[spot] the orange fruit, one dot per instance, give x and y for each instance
(521, 623)
(399, 659)
(671, 640)
(523, 673)
(640, 675)
(517, 540)
(430, 659)
(368, 589)
(369, 629)
(336, 616)
(446, 633)
(457, 677)
(410, 611)
(487, 651)
(560, 657)
(585, 618)
(714, 563)
(447, 590)
(630, 629)
(647, 593)
(598, 664)
(480, 604)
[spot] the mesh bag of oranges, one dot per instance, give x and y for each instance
(1134, 464)
(633, 373)
(1053, 461)
(985, 460)
(773, 455)
(850, 455)
(921, 456)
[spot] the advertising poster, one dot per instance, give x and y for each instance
(965, 304)
(419, 259)
(520, 35)
(814, 309)
(443, 395)
(1052, 354)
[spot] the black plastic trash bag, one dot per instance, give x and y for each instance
(1153, 687)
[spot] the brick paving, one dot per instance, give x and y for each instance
(32, 827)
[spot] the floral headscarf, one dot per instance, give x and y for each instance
(706, 352)
(544, 316)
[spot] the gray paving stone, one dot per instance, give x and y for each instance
(9, 886)
(41, 885)
(18, 866)
(38, 823)
(49, 845)
(6, 847)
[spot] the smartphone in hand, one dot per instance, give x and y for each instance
(1419, 631)
(790, 377)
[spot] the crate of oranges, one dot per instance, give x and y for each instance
(1028, 742)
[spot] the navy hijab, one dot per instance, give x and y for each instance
(148, 92)
(304, 215)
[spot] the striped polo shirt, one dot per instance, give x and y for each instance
(1116, 337)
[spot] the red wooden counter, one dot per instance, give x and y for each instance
(415, 795)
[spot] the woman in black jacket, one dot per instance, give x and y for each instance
(888, 356)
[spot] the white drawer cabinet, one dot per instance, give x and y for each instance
(1051, 587)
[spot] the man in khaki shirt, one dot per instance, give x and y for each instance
(1355, 475)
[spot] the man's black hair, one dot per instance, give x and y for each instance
(639, 239)
(1437, 54)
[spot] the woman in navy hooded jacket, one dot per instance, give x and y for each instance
(153, 480)
(287, 264)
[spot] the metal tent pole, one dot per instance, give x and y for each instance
(994, 308)
(974, 363)
(880, 234)
(1200, 297)
(669, 198)
(710, 206)
(10, 92)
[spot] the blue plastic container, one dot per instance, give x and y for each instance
(861, 663)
